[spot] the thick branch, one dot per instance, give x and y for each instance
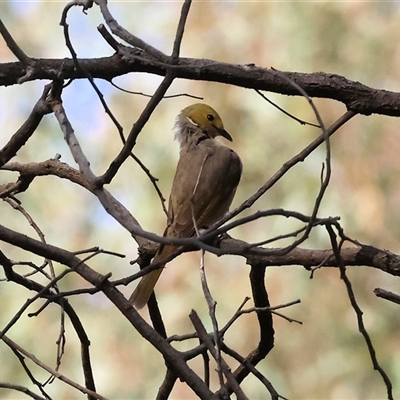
(351, 256)
(356, 96)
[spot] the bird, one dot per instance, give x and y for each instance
(207, 175)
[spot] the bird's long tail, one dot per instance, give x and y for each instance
(142, 293)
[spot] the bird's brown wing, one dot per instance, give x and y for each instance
(203, 187)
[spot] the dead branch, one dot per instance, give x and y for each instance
(384, 294)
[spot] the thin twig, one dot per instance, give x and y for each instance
(234, 317)
(324, 179)
(201, 331)
(40, 293)
(301, 156)
(28, 372)
(266, 342)
(136, 129)
(180, 29)
(61, 340)
(59, 376)
(22, 389)
(284, 111)
(36, 269)
(153, 181)
(359, 313)
(12, 45)
(79, 67)
(27, 129)
(127, 36)
(211, 303)
(45, 289)
(17, 206)
(253, 370)
(384, 294)
(240, 311)
(170, 96)
(97, 250)
(109, 38)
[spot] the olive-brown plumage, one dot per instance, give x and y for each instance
(205, 182)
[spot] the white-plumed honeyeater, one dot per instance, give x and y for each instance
(205, 182)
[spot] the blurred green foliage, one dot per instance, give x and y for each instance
(325, 358)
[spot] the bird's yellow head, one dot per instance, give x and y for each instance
(204, 117)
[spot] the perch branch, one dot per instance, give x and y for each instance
(357, 97)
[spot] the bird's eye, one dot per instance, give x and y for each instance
(210, 117)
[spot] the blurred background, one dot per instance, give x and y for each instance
(325, 357)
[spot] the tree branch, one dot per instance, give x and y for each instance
(364, 255)
(384, 294)
(356, 96)
(63, 378)
(21, 389)
(12, 45)
(20, 137)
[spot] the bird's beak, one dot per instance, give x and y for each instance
(225, 134)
